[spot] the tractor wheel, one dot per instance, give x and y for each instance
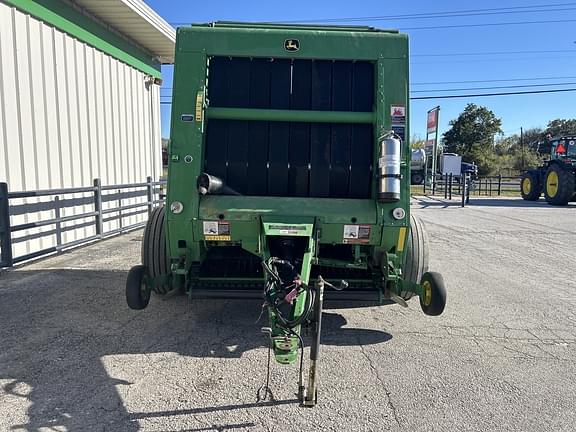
(154, 256)
(416, 178)
(416, 257)
(530, 187)
(137, 293)
(559, 185)
(433, 300)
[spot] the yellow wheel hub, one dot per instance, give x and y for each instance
(552, 184)
(427, 300)
(526, 186)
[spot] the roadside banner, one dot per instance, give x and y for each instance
(431, 144)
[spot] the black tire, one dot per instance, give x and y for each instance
(433, 301)
(416, 257)
(530, 186)
(154, 253)
(137, 295)
(416, 178)
(559, 185)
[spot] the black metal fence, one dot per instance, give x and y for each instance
(107, 204)
(480, 186)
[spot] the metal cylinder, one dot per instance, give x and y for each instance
(389, 168)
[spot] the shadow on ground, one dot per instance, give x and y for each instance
(56, 325)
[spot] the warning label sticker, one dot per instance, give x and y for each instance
(216, 228)
(356, 234)
(388, 161)
(398, 120)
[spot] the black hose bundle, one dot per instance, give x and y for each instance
(278, 293)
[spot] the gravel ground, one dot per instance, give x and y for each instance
(501, 357)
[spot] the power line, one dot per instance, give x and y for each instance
(485, 25)
(494, 87)
(494, 53)
(488, 81)
(428, 15)
(492, 94)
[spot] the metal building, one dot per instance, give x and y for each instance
(79, 98)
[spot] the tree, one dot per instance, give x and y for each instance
(472, 135)
(560, 127)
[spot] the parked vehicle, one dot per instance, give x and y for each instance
(556, 177)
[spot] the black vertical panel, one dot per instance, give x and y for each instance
(216, 151)
(341, 133)
(363, 86)
(238, 139)
(321, 99)
(361, 161)
(299, 151)
(216, 145)
(218, 81)
(362, 135)
(279, 135)
(258, 131)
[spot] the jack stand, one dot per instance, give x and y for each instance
(311, 397)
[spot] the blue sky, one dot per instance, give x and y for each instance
(441, 54)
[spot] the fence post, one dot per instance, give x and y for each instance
(499, 184)
(98, 207)
(450, 186)
(433, 184)
(490, 186)
(445, 188)
(5, 235)
(150, 190)
(120, 222)
(58, 224)
(463, 188)
(468, 181)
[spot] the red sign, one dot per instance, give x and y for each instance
(432, 122)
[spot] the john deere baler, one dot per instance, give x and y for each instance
(289, 172)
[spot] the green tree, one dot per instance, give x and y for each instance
(560, 127)
(472, 135)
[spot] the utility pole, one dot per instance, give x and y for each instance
(522, 145)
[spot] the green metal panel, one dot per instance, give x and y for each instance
(289, 115)
(195, 45)
(269, 42)
(64, 17)
(328, 210)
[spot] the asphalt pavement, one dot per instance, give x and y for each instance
(73, 357)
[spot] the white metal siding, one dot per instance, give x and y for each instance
(69, 114)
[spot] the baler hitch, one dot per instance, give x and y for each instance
(291, 305)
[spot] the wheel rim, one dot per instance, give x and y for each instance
(526, 186)
(552, 184)
(427, 300)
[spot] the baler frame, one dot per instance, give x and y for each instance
(286, 230)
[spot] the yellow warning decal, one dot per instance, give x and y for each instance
(401, 239)
(217, 238)
(199, 105)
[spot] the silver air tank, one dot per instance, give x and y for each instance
(389, 167)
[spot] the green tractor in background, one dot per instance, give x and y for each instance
(555, 177)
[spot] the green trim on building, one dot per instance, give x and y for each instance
(78, 25)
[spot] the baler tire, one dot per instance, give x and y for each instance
(434, 300)
(566, 183)
(137, 294)
(154, 255)
(530, 187)
(417, 255)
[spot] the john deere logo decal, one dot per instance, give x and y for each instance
(291, 44)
